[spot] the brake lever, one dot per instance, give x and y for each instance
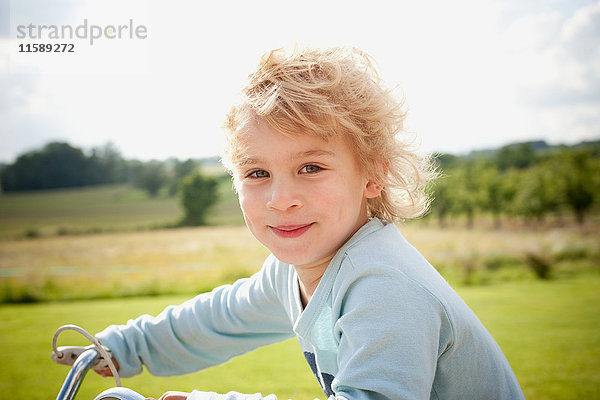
(66, 355)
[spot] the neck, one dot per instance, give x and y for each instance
(309, 278)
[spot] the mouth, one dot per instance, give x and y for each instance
(290, 231)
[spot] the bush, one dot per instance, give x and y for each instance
(198, 194)
(541, 265)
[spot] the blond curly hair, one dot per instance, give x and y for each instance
(337, 92)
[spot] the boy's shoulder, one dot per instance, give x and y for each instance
(382, 254)
(381, 243)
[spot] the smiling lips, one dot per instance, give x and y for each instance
(290, 231)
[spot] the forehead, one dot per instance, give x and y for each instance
(258, 139)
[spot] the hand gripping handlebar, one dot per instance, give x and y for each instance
(82, 359)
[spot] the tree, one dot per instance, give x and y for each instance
(578, 171)
(198, 193)
(518, 155)
(493, 199)
(499, 190)
(184, 168)
(442, 199)
(150, 176)
(108, 164)
(468, 190)
(538, 192)
(180, 170)
(446, 161)
(57, 165)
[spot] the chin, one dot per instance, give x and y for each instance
(287, 258)
(292, 259)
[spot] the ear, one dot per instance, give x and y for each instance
(373, 189)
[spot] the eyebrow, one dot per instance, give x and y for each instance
(244, 161)
(314, 153)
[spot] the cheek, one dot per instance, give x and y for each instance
(244, 201)
(336, 200)
(352, 187)
(249, 203)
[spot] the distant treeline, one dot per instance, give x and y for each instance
(60, 165)
(528, 180)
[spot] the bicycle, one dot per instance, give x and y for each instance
(81, 359)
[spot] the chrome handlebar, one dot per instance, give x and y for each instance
(75, 376)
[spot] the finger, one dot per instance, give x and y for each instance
(173, 395)
(104, 372)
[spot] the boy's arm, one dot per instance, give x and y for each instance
(205, 331)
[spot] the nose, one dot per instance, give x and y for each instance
(284, 195)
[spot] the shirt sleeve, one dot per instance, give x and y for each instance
(205, 331)
(390, 332)
(198, 395)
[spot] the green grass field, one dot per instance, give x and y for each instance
(549, 331)
(102, 243)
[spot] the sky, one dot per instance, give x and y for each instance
(473, 74)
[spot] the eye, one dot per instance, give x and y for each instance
(259, 173)
(310, 169)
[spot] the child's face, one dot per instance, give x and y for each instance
(302, 196)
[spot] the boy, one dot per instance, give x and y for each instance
(316, 159)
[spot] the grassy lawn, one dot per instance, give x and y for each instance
(95, 243)
(26, 371)
(549, 331)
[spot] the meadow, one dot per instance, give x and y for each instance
(548, 330)
(194, 260)
(97, 256)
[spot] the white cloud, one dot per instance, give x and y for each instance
(564, 60)
(555, 67)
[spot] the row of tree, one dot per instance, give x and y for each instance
(519, 181)
(60, 165)
(528, 180)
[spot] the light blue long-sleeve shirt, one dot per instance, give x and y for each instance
(382, 323)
